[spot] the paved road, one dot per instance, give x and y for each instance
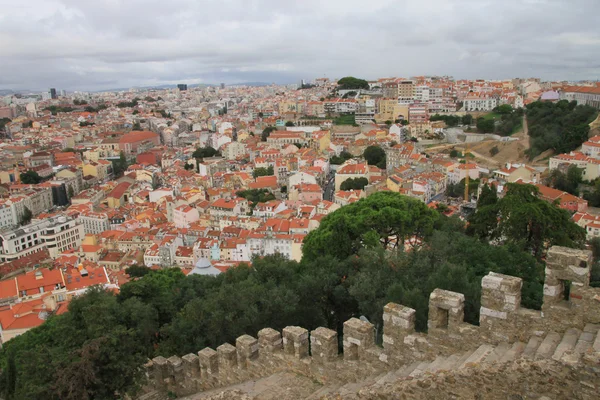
(329, 188)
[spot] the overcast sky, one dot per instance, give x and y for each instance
(102, 44)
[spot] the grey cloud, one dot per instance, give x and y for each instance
(95, 44)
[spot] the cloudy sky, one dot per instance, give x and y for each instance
(101, 44)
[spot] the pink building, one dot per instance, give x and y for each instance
(184, 215)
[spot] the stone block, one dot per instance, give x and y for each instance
(209, 361)
(446, 309)
(227, 357)
(324, 344)
(269, 341)
(175, 365)
(247, 349)
(569, 265)
(191, 365)
(358, 337)
(399, 317)
(295, 341)
(160, 370)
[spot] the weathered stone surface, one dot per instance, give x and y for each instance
(295, 341)
(269, 341)
(324, 345)
(247, 349)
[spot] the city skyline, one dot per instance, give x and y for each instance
(98, 45)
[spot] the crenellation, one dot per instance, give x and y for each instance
(295, 341)
(269, 341)
(160, 371)
(446, 309)
(209, 363)
(358, 337)
(247, 350)
(502, 319)
(324, 345)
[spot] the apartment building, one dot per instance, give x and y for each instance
(584, 95)
(56, 234)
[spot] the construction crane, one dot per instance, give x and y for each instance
(467, 177)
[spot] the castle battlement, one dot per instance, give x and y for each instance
(315, 354)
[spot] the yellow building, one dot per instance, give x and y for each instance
(390, 110)
(321, 140)
(291, 106)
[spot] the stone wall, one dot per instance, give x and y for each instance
(315, 354)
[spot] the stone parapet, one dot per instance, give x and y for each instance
(316, 353)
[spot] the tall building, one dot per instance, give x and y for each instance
(182, 87)
(53, 93)
(222, 86)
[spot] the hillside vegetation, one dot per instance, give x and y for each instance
(561, 126)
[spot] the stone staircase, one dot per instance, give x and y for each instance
(568, 349)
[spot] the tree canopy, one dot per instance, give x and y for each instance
(262, 171)
(30, 177)
(569, 181)
(266, 132)
(382, 219)
(561, 126)
(204, 152)
(350, 82)
(375, 155)
(522, 218)
(354, 184)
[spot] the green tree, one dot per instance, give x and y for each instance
(561, 126)
(488, 196)
(120, 165)
(289, 123)
(467, 119)
(383, 219)
(27, 216)
(342, 158)
(485, 125)
(522, 218)
(568, 182)
(266, 132)
(205, 152)
(262, 171)
(137, 271)
(70, 192)
(30, 177)
(136, 127)
(354, 184)
(350, 82)
(375, 155)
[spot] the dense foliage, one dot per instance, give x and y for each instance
(453, 120)
(567, 182)
(561, 126)
(383, 219)
(132, 103)
(375, 155)
(202, 152)
(342, 158)
(96, 350)
(262, 171)
(503, 121)
(255, 196)
(350, 82)
(523, 219)
(266, 132)
(30, 177)
(354, 184)
(56, 109)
